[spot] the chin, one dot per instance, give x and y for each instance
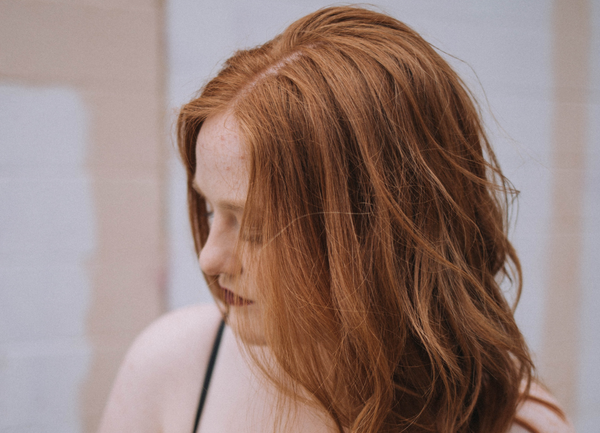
(246, 324)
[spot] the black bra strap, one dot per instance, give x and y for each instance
(208, 374)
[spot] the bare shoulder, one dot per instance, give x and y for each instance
(159, 379)
(542, 412)
(176, 329)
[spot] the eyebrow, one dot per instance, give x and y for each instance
(229, 205)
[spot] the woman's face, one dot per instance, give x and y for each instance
(222, 178)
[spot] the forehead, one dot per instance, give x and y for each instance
(220, 134)
(221, 161)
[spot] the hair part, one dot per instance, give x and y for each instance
(381, 215)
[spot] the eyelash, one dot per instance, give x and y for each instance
(251, 237)
(209, 214)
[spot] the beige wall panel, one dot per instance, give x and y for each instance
(126, 299)
(80, 45)
(559, 363)
(128, 219)
(561, 348)
(128, 277)
(568, 186)
(128, 134)
(128, 5)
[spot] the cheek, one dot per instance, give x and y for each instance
(249, 256)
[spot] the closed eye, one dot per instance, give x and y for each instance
(252, 235)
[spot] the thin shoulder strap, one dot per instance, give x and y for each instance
(208, 374)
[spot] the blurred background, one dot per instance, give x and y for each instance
(94, 238)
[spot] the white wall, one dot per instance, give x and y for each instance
(46, 237)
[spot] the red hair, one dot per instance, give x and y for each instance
(381, 213)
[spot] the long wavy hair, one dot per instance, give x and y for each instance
(380, 213)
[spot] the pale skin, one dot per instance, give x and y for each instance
(158, 386)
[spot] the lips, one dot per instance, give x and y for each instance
(231, 298)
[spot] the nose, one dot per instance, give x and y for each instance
(218, 254)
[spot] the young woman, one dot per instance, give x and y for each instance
(350, 219)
